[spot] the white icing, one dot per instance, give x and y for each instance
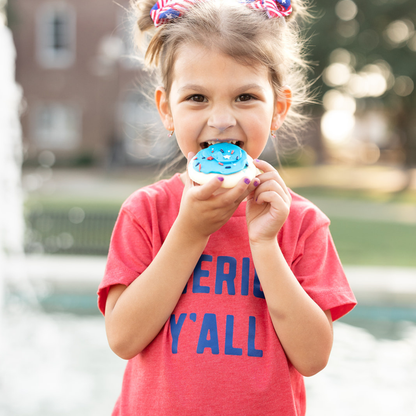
(231, 180)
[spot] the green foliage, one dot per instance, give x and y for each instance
(378, 32)
(369, 43)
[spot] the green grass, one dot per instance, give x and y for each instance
(405, 197)
(374, 243)
(358, 242)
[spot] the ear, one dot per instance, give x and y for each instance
(162, 104)
(282, 105)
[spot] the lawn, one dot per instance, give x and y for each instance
(378, 240)
(374, 243)
(358, 242)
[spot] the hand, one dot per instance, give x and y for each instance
(203, 210)
(268, 206)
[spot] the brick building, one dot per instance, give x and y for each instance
(80, 82)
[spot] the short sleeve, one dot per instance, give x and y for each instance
(319, 271)
(129, 255)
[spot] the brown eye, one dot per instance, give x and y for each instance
(244, 97)
(197, 98)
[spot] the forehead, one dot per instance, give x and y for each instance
(196, 64)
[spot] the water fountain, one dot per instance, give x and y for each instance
(48, 362)
(11, 200)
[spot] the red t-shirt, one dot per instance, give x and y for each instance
(218, 354)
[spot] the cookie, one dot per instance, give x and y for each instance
(224, 159)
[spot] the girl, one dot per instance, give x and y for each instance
(222, 300)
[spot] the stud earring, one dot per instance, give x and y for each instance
(170, 134)
(273, 134)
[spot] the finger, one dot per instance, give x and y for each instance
(238, 193)
(263, 165)
(269, 173)
(205, 191)
(272, 186)
(275, 202)
(249, 192)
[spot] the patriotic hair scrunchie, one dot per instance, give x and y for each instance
(165, 10)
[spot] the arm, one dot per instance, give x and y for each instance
(303, 328)
(135, 314)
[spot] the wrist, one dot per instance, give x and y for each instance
(188, 232)
(261, 244)
(264, 250)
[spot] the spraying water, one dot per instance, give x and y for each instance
(11, 199)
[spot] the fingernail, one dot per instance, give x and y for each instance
(220, 178)
(256, 160)
(247, 181)
(256, 182)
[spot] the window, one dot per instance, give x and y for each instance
(57, 126)
(56, 35)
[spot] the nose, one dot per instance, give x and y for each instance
(221, 119)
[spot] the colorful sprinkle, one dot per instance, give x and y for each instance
(228, 159)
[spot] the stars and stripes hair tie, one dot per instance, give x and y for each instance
(165, 10)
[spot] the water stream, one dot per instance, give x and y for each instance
(11, 201)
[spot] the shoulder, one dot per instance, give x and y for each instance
(304, 223)
(304, 215)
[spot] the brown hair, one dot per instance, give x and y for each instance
(246, 35)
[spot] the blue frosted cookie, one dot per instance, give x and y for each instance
(224, 159)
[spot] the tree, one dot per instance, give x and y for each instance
(374, 44)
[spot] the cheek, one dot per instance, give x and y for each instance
(258, 126)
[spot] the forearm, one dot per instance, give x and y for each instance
(303, 328)
(144, 307)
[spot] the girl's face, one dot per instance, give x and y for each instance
(213, 98)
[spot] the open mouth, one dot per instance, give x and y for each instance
(208, 143)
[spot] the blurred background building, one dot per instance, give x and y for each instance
(82, 82)
(88, 104)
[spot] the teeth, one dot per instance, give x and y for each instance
(211, 142)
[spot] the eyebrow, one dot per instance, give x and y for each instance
(196, 87)
(192, 87)
(248, 87)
